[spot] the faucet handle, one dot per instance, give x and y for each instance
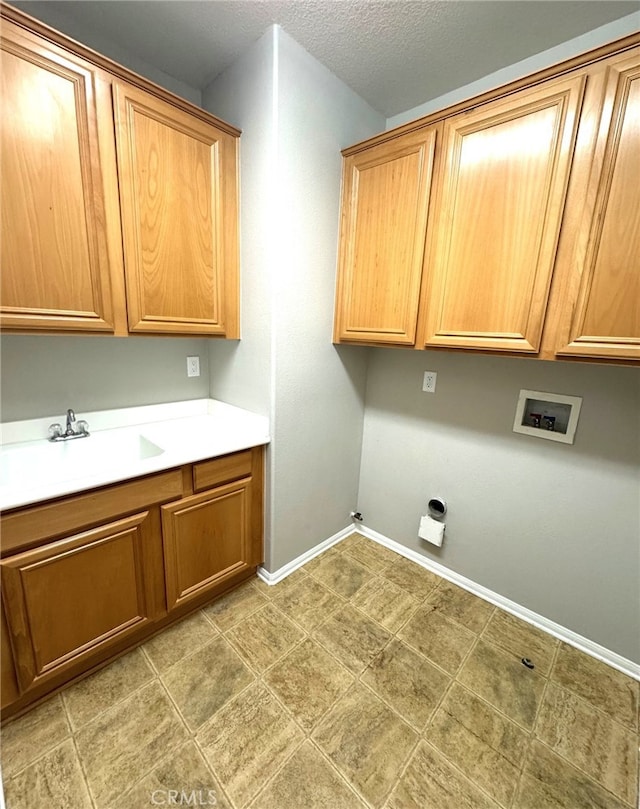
(55, 431)
(82, 427)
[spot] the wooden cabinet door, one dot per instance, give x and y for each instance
(178, 178)
(385, 202)
(69, 599)
(501, 195)
(208, 538)
(602, 307)
(8, 682)
(55, 266)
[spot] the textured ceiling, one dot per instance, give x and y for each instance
(396, 54)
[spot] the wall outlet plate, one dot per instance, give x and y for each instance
(193, 366)
(429, 382)
(553, 416)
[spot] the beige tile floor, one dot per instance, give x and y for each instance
(362, 680)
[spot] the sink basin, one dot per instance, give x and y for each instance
(32, 463)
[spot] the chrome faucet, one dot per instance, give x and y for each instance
(71, 417)
(81, 431)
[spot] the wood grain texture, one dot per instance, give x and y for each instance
(207, 474)
(8, 683)
(68, 597)
(582, 61)
(116, 576)
(206, 539)
(26, 527)
(178, 232)
(68, 213)
(500, 204)
(42, 691)
(19, 18)
(256, 548)
(601, 315)
(56, 272)
(384, 221)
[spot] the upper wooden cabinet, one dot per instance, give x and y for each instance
(55, 265)
(384, 221)
(176, 173)
(503, 183)
(119, 200)
(601, 312)
(530, 227)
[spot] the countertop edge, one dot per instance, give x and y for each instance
(241, 430)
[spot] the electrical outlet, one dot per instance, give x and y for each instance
(429, 382)
(193, 366)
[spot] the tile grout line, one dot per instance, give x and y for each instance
(309, 634)
(420, 735)
(8, 776)
(116, 702)
(535, 737)
(74, 731)
(498, 711)
(85, 778)
(567, 687)
(356, 679)
(530, 733)
(172, 701)
(342, 777)
(258, 680)
(77, 752)
(454, 681)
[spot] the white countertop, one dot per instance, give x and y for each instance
(122, 444)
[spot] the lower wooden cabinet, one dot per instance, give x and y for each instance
(8, 683)
(76, 594)
(207, 539)
(68, 598)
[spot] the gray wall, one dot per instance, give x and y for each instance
(43, 375)
(551, 526)
(241, 371)
(295, 116)
(319, 390)
(592, 39)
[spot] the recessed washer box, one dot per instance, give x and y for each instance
(547, 415)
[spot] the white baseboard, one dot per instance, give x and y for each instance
(585, 645)
(307, 556)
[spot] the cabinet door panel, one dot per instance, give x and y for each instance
(605, 315)
(67, 599)
(504, 181)
(207, 538)
(385, 205)
(178, 240)
(55, 268)
(8, 682)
